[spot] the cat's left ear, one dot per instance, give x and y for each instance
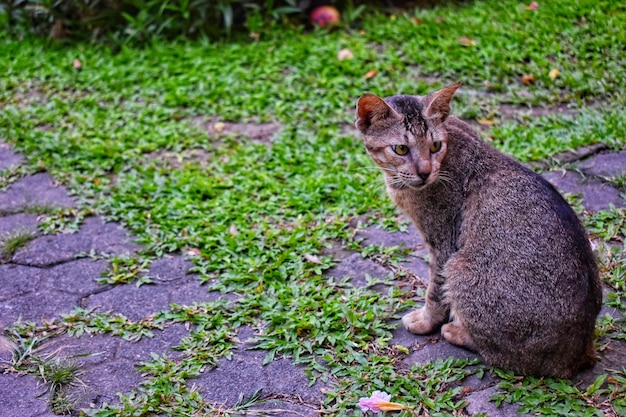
(437, 104)
(372, 110)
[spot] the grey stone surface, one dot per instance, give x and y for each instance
(418, 266)
(87, 350)
(133, 302)
(16, 280)
(38, 189)
(373, 235)
(36, 306)
(94, 234)
(161, 343)
(8, 158)
(104, 381)
(595, 194)
(245, 374)
(189, 289)
(79, 277)
(19, 396)
(606, 165)
(435, 347)
(478, 402)
(170, 268)
(357, 269)
(20, 222)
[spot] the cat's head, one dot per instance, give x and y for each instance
(404, 135)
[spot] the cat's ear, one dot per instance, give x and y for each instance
(437, 104)
(373, 110)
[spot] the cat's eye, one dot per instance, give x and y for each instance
(435, 146)
(400, 149)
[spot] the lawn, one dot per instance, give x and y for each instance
(148, 136)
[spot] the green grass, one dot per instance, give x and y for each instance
(259, 218)
(9, 244)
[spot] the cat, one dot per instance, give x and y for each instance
(512, 273)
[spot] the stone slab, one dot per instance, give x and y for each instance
(189, 290)
(356, 268)
(37, 189)
(478, 402)
(8, 158)
(133, 302)
(36, 306)
(595, 194)
(374, 235)
(87, 350)
(21, 222)
(104, 381)
(16, 280)
(435, 347)
(245, 374)
(79, 277)
(606, 165)
(169, 268)
(19, 396)
(162, 343)
(94, 234)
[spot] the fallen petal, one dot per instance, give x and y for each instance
(465, 41)
(371, 74)
(312, 258)
(554, 73)
(486, 122)
(345, 54)
(532, 6)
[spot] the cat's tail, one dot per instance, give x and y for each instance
(589, 358)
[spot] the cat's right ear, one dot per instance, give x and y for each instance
(372, 110)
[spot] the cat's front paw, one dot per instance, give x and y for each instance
(419, 321)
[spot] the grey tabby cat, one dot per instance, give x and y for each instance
(512, 273)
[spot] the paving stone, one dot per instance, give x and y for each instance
(104, 381)
(373, 235)
(357, 268)
(94, 234)
(190, 290)
(133, 302)
(87, 350)
(8, 158)
(435, 348)
(79, 277)
(245, 374)
(596, 195)
(170, 268)
(478, 402)
(612, 357)
(20, 222)
(606, 165)
(16, 280)
(418, 266)
(162, 342)
(36, 306)
(19, 396)
(37, 189)
(402, 337)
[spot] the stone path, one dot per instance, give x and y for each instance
(45, 278)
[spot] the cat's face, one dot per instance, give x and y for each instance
(404, 136)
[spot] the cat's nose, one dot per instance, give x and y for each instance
(423, 175)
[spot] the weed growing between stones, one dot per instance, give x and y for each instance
(56, 374)
(11, 243)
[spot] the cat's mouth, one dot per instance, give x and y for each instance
(412, 184)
